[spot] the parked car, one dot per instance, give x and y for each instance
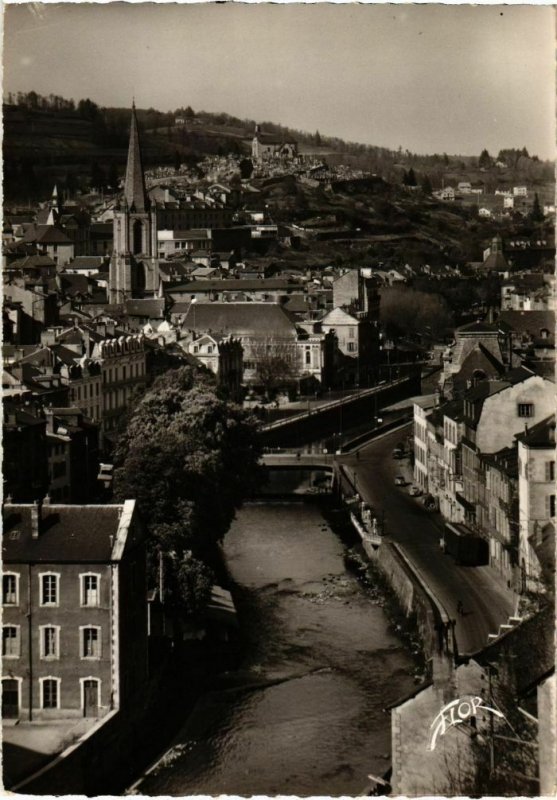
(414, 491)
(400, 481)
(398, 453)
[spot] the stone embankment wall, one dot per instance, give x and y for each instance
(413, 598)
(106, 759)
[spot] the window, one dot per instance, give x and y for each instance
(49, 641)
(90, 590)
(551, 505)
(49, 589)
(10, 641)
(550, 470)
(352, 347)
(50, 692)
(91, 642)
(350, 333)
(10, 587)
(525, 409)
(123, 373)
(308, 357)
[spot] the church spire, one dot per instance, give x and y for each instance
(134, 186)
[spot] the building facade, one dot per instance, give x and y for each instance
(74, 635)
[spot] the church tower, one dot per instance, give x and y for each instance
(133, 266)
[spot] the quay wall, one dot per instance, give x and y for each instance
(413, 599)
(107, 758)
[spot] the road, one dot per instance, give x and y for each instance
(487, 600)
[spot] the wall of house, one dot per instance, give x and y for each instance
(69, 666)
(418, 770)
(535, 487)
(500, 421)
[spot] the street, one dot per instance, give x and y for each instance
(485, 597)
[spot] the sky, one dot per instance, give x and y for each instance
(428, 78)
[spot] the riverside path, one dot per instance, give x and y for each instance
(486, 599)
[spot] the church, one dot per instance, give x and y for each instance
(133, 266)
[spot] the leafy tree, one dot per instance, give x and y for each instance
(189, 458)
(427, 188)
(246, 168)
(317, 139)
(98, 178)
(407, 312)
(536, 215)
(485, 160)
(113, 179)
(276, 363)
(189, 113)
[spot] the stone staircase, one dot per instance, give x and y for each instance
(513, 622)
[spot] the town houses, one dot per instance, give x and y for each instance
(296, 287)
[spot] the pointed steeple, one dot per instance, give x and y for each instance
(134, 186)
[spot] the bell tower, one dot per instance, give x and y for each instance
(133, 266)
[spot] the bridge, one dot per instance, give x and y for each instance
(289, 460)
(325, 421)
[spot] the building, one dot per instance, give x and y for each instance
(24, 458)
(73, 455)
(266, 146)
(223, 355)
(123, 370)
(133, 268)
(536, 482)
(74, 633)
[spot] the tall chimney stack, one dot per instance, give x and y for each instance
(35, 519)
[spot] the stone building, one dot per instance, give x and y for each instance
(133, 267)
(265, 146)
(536, 482)
(74, 635)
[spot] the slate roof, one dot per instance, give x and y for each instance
(86, 262)
(134, 184)
(52, 235)
(69, 534)
(540, 435)
(478, 327)
(241, 319)
(531, 322)
(147, 307)
(239, 284)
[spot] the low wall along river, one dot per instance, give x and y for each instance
(303, 714)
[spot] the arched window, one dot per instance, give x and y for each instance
(137, 236)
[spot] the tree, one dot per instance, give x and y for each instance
(190, 458)
(407, 312)
(427, 188)
(536, 215)
(317, 139)
(113, 180)
(246, 168)
(485, 160)
(276, 363)
(189, 113)
(98, 178)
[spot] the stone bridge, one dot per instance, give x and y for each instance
(291, 460)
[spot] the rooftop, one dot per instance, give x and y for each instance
(67, 533)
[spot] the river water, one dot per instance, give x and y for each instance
(303, 714)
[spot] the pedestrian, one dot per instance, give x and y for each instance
(459, 608)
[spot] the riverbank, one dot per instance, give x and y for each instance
(303, 713)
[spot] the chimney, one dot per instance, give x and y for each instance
(35, 519)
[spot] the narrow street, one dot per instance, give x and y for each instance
(487, 600)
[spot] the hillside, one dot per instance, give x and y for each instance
(48, 140)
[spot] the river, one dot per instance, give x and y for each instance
(303, 715)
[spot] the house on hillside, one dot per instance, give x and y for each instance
(265, 146)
